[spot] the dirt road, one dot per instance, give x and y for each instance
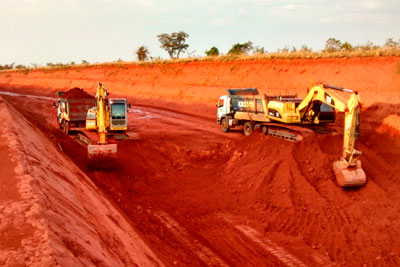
(200, 197)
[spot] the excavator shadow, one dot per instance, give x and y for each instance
(102, 163)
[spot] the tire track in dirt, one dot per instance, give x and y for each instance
(285, 198)
(205, 254)
(270, 247)
(273, 249)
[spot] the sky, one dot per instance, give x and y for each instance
(61, 31)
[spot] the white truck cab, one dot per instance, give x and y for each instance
(223, 106)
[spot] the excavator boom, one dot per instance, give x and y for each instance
(347, 169)
(102, 149)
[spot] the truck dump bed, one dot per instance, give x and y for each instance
(76, 103)
(78, 108)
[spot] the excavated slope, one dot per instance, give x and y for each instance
(50, 211)
(286, 191)
(195, 86)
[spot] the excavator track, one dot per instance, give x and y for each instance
(294, 133)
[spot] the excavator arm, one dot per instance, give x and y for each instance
(102, 148)
(348, 169)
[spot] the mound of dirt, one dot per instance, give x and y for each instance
(230, 192)
(76, 93)
(289, 190)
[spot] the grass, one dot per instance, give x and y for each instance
(355, 53)
(234, 67)
(378, 52)
(398, 67)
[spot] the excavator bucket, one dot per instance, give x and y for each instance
(347, 176)
(102, 151)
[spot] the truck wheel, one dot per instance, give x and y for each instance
(66, 127)
(264, 129)
(225, 125)
(247, 128)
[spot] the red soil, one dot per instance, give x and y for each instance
(76, 93)
(50, 212)
(194, 87)
(198, 196)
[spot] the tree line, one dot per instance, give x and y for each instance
(175, 44)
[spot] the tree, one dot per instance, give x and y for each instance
(259, 50)
(346, 46)
(238, 48)
(390, 43)
(174, 43)
(212, 52)
(332, 45)
(284, 50)
(368, 46)
(142, 53)
(7, 66)
(305, 48)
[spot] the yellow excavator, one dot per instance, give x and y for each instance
(247, 109)
(348, 169)
(98, 118)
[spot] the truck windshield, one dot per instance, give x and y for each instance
(118, 111)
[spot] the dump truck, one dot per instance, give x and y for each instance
(93, 120)
(72, 107)
(283, 116)
(247, 108)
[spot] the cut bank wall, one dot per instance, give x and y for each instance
(194, 87)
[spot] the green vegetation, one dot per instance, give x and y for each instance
(7, 66)
(174, 43)
(212, 52)
(234, 67)
(259, 50)
(142, 53)
(398, 67)
(238, 49)
(390, 44)
(333, 49)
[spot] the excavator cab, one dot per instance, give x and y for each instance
(118, 114)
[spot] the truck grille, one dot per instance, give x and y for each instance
(118, 122)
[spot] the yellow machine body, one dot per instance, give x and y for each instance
(245, 107)
(348, 169)
(98, 119)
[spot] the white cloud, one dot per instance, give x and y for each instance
(371, 5)
(288, 7)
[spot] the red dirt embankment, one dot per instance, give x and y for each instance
(50, 211)
(195, 86)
